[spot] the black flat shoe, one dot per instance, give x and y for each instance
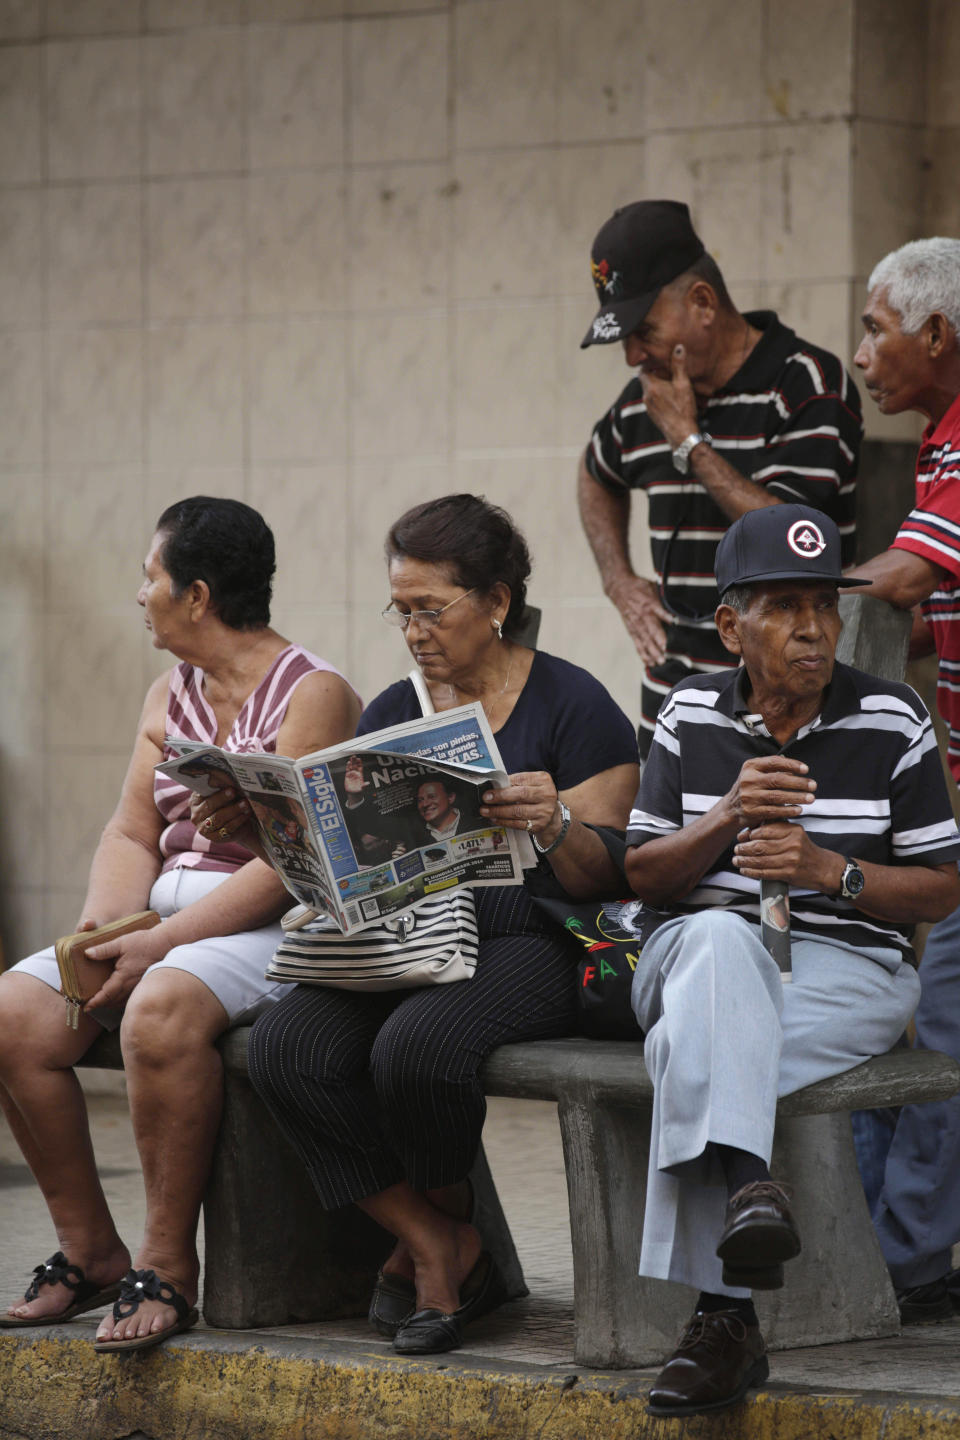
(392, 1303)
(58, 1271)
(430, 1332)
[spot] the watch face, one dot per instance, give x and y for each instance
(853, 880)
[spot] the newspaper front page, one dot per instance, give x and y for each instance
(369, 828)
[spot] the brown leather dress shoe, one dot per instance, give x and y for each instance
(759, 1234)
(717, 1360)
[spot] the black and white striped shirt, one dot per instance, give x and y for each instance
(881, 795)
(789, 420)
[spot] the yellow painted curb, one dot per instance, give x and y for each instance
(218, 1386)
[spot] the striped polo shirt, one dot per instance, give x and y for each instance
(881, 795)
(789, 420)
(932, 529)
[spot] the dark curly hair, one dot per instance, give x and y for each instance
(229, 546)
(476, 541)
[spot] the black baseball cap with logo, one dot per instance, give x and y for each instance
(640, 249)
(780, 542)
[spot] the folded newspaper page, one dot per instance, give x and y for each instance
(369, 828)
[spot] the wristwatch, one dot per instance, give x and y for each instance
(852, 880)
(681, 456)
(564, 827)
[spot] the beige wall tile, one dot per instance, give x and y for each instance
(589, 380)
(277, 10)
(718, 173)
(297, 258)
(297, 390)
(820, 313)
(890, 73)
(703, 63)
(941, 194)
(295, 78)
(84, 789)
(943, 63)
(592, 181)
(195, 101)
(163, 487)
(590, 633)
(93, 514)
(506, 73)
(23, 553)
(93, 103)
(506, 224)
(398, 89)
(601, 80)
(23, 919)
(21, 257)
(399, 390)
(23, 697)
(20, 143)
(92, 17)
(195, 248)
(806, 79)
(886, 190)
(378, 654)
(806, 230)
(173, 14)
(94, 255)
(306, 507)
(398, 7)
(498, 353)
(322, 629)
(399, 222)
(77, 713)
(195, 395)
(19, 19)
(94, 396)
(379, 492)
(21, 398)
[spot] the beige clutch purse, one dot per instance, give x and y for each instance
(81, 978)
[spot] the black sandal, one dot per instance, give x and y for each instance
(140, 1285)
(58, 1271)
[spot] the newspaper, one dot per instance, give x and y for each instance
(369, 828)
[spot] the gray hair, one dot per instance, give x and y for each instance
(919, 278)
(738, 597)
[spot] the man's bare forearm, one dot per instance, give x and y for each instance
(900, 577)
(606, 524)
(734, 494)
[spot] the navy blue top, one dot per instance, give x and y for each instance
(564, 722)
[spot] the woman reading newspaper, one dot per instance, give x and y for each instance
(380, 1092)
(174, 988)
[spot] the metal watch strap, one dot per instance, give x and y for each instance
(681, 456)
(564, 827)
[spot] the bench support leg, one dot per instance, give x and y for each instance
(273, 1256)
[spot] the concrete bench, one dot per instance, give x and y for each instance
(273, 1257)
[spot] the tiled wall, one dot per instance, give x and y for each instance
(330, 256)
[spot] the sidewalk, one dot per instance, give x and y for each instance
(514, 1378)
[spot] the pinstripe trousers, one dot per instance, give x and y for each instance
(374, 1088)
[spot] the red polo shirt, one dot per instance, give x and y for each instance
(932, 529)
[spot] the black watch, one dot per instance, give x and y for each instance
(852, 880)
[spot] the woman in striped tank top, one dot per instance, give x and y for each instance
(173, 989)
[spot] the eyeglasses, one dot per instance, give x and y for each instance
(426, 619)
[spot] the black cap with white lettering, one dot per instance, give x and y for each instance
(640, 249)
(780, 542)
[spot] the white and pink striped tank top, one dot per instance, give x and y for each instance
(190, 717)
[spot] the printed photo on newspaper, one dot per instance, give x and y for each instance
(370, 828)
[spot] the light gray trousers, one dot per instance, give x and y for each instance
(724, 1038)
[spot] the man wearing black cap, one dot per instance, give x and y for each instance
(728, 413)
(790, 768)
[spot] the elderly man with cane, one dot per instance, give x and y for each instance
(792, 768)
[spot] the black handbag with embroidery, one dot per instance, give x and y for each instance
(608, 935)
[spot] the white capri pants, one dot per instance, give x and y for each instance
(231, 966)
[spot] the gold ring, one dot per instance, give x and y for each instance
(529, 823)
(224, 833)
